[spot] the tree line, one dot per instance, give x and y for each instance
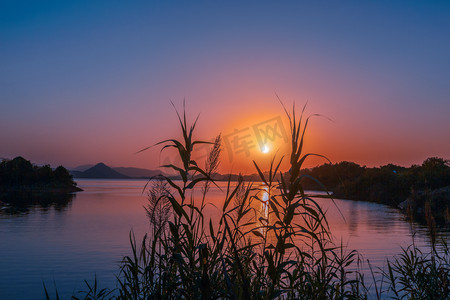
(21, 173)
(389, 184)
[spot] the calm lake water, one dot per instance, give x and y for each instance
(64, 244)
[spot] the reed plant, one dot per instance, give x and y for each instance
(417, 275)
(285, 250)
(284, 253)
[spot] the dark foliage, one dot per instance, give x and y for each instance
(20, 173)
(389, 184)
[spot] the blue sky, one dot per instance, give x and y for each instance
(89, 81)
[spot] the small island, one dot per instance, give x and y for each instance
(21, 174)
(23, 183)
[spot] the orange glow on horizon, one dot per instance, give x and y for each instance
(257, 137)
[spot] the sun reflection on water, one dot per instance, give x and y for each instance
(264, 211)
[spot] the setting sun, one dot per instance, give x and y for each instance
(265, 149)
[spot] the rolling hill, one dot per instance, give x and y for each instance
(103, 171)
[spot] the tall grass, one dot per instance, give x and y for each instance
(283, 251)
(417, 275)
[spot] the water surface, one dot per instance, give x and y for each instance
(88, 236)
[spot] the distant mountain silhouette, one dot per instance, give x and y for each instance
(100, 170)
(103, 171)
(137, 172)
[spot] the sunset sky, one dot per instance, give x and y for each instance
(83, 82)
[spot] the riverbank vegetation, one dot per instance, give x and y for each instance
(283, 250)
(415, 189)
